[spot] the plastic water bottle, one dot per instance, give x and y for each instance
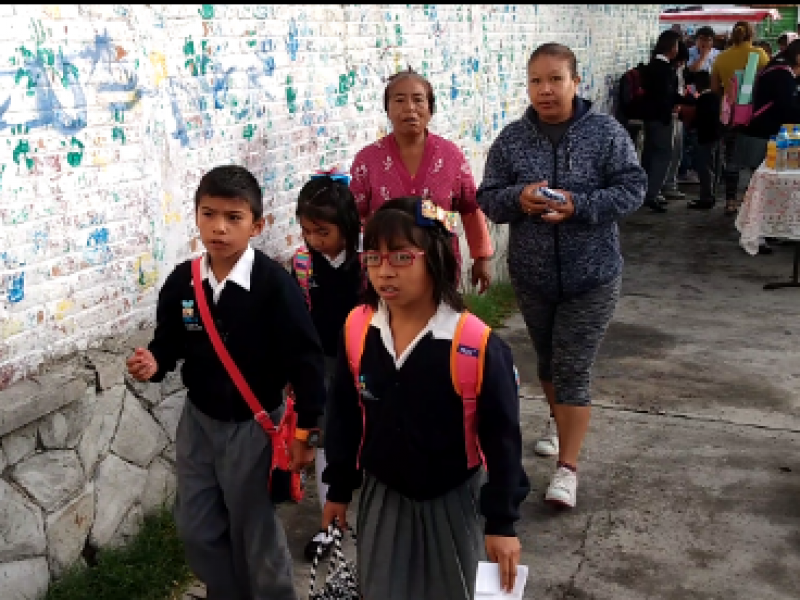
(782, 144)
(794, 153)
(772, 152)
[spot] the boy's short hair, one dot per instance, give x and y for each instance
(702, 80)
(705, 32)
(231, 181)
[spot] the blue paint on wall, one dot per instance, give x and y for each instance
(16, 288)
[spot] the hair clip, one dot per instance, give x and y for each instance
(334, 174)
(429, 214)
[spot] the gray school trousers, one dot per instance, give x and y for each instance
(234, 542)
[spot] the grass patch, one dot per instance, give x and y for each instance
(495, 306)
(150, 567)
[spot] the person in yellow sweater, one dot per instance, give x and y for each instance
(725, 66)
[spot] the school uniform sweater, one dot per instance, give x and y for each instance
(415, 440)
(334, 289)
(661, 91)
(266, 329)
(709, 127)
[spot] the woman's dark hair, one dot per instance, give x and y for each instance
(683, 54)
(409, 73)
(783, 40)
(557, 51)
(231, 181)
(789, 57)
(665, 42)
(742, 32)
(765, 46)
(395, 223)
(326, 200)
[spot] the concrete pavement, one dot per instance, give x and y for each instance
(690, 479)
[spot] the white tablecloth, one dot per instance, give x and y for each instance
(771, 208)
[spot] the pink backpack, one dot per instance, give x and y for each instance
(735, 114)
(467, 354)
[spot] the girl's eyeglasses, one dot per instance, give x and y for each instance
(400, 258)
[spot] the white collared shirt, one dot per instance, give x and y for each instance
(662, 57)
(339, 260)
(240, 273)
(442, 325)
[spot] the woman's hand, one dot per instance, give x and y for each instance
(334, 511)
(531, 201)
(480, 274)
(505, 552)
(559, 212)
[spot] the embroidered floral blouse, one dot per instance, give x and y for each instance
(378, 174)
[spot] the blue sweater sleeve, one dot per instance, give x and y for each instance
(498, 195)
(501, 441)
(624, 186)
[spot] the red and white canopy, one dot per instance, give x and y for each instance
(719, 16)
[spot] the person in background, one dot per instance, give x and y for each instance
(701, 59)
(661, 98)
(670, 189)
(725, 66)
(775, 86)
(564, 259)
(765, 46)
(784, 40)
(411, 161)
(708, 130)
(331, 279)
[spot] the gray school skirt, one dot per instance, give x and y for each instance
(409, 550)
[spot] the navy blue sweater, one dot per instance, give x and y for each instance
(595, 161)
(334, 293)
(267, 331)
(414, 421)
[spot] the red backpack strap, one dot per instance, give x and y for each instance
(355, 334)
(302, 269)
(467, 354)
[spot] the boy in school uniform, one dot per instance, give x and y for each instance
(234, 541)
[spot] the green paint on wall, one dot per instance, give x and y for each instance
(188, 47)
(118, 133)
(21, 151)
(74, 158)
(249, 131)
(207, 11)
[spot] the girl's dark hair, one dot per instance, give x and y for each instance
(683, 54)
(326, 200)
(666, 42)
(395, 223)
(557, 51)
(412, 74)
(231, 181)
(742, 32)
(789, 57)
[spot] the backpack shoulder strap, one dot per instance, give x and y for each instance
(355, 334)
(302, 268)
(467, 354)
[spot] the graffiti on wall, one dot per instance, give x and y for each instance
(110, 114)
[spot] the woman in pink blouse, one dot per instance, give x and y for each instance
(411, 161)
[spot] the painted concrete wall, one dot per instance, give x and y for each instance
(110, 114)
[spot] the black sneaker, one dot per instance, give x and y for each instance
(320, 539)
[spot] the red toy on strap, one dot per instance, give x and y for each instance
(280, 436)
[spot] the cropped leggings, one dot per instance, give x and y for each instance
(567, 334)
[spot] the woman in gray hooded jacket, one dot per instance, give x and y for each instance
(563, 257)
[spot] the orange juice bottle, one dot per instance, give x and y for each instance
(772, 152)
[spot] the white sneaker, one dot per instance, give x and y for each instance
(547, 445)
(563, 488)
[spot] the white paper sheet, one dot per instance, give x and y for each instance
(488, 586)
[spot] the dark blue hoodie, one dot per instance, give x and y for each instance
(595, 161)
